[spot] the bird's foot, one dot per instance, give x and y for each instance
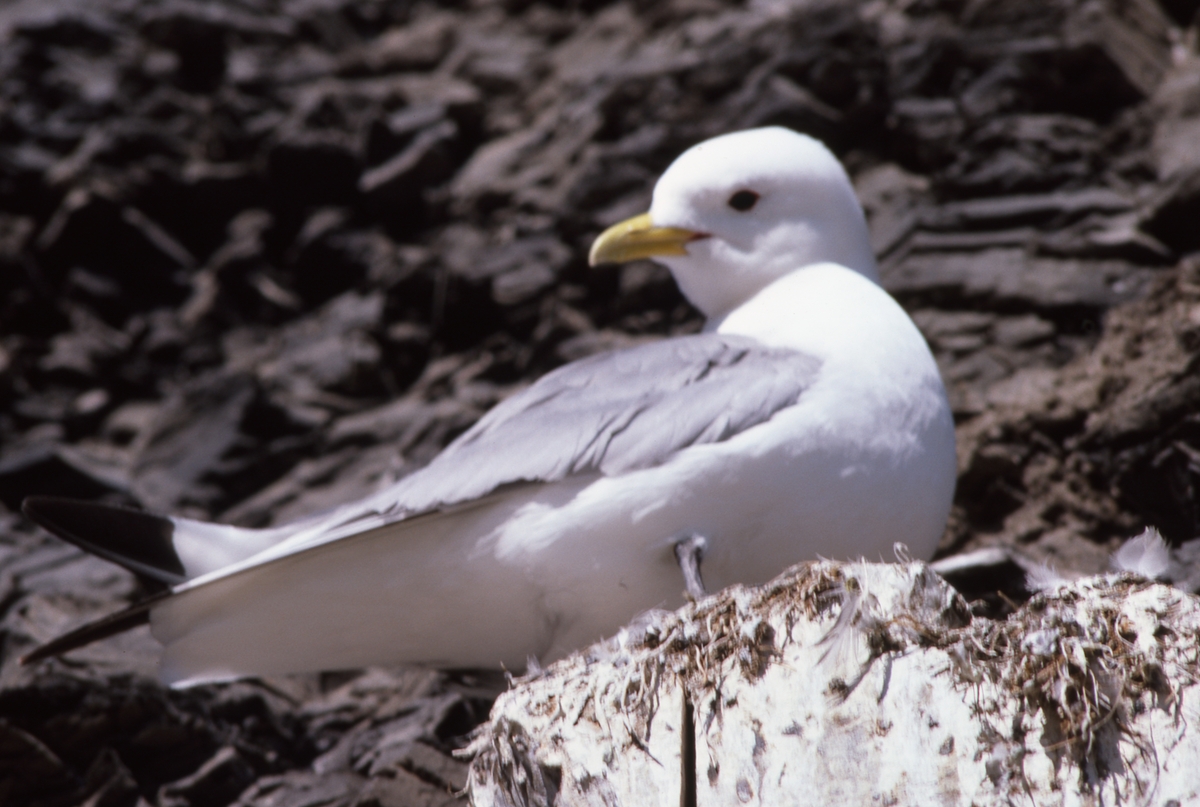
(689, 550)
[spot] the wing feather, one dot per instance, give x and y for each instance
(614, 413)
(610, 414)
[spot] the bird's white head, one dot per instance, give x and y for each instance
(735, 213)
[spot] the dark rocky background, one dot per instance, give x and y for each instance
(261, 256)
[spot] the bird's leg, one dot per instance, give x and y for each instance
(689, 550)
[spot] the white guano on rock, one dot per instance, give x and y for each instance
(864, 684)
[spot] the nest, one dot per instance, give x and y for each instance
(873, 670)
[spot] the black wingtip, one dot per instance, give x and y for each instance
(111, 625)
(139, 541)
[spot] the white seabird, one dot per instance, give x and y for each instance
(807, 419)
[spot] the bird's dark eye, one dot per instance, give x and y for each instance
(743, 200)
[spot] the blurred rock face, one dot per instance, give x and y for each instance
(258, 257)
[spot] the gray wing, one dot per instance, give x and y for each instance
(612, 413)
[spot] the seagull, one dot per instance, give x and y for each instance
(807, 419)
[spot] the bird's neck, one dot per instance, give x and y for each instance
(827, 311)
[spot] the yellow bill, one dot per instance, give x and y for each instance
(638, 238)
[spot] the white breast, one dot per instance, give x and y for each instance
(865, 460)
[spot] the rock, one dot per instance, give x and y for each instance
(483, 178)
(30, 766)
(1022, 331)
(234, 274)
(303, 787)
(26, 469)
(313, 167)
(991, 579)
(1098, 236)
(85, 349)
(1073, 422)
(330, 349)
(1008, 211)
(117, 785)
(120, 243)
(259, 259)
(216, 782)
(1174, 210)
(927, 128)
(155, 740)
(1009, 275)
(1181, 11)
(420, 45)
(397, 186)
(1176, 120)
(504, 60)
(388, 136)
(853, 683)
(403, 790)
(315, 485)
(197, 203)
(401, 423)
(15, 232)
(329, 258)
(1015, 153)
(434, 767)
(525, 267)
(191, 434)
(103, 146)
(889, 195)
